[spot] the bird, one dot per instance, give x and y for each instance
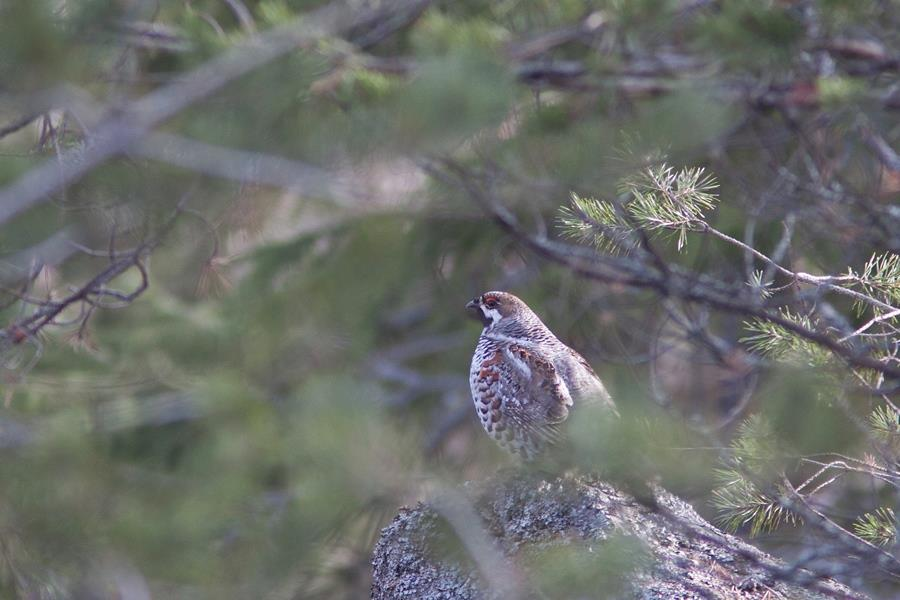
(524, 381)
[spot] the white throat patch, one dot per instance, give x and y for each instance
(491, 313)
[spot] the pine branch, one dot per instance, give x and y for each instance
(665, 198)
(598, 223)
(777, 342)
(741, 503)
(879, 527)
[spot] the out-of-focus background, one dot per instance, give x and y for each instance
(236, 238)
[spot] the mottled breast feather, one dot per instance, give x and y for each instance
(525, 382)
(520, 397)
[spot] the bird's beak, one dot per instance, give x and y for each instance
(474, 308)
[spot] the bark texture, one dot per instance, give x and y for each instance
(522, 521)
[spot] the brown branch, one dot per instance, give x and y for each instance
(590, 26)
(46, 314)
(686, 285)
(94, 290)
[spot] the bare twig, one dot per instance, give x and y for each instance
(873, 321)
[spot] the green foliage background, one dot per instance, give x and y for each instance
(234, 433)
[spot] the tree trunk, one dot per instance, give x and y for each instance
(573, 537)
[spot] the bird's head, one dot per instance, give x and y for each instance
(495, 309)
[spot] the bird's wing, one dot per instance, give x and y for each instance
(532, 382)
(596, 392)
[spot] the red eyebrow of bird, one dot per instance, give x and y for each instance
(490, 298)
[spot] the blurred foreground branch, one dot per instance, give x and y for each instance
(127, 125)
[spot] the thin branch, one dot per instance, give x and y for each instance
(781, 248)
(47, 313)
(825, 281)
(885, 560)
(878, 319)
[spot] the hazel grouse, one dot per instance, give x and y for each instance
(524, 380)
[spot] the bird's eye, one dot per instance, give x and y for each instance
(491, 303)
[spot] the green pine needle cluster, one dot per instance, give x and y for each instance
(661, 198)
(665, 198)
(738, 498)
(778, 343)
(880, 279)
(879, 527)
(596, 222)
(884, 422)
(759, 284)
(755, 447)
(742, 505)
(885, 426)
